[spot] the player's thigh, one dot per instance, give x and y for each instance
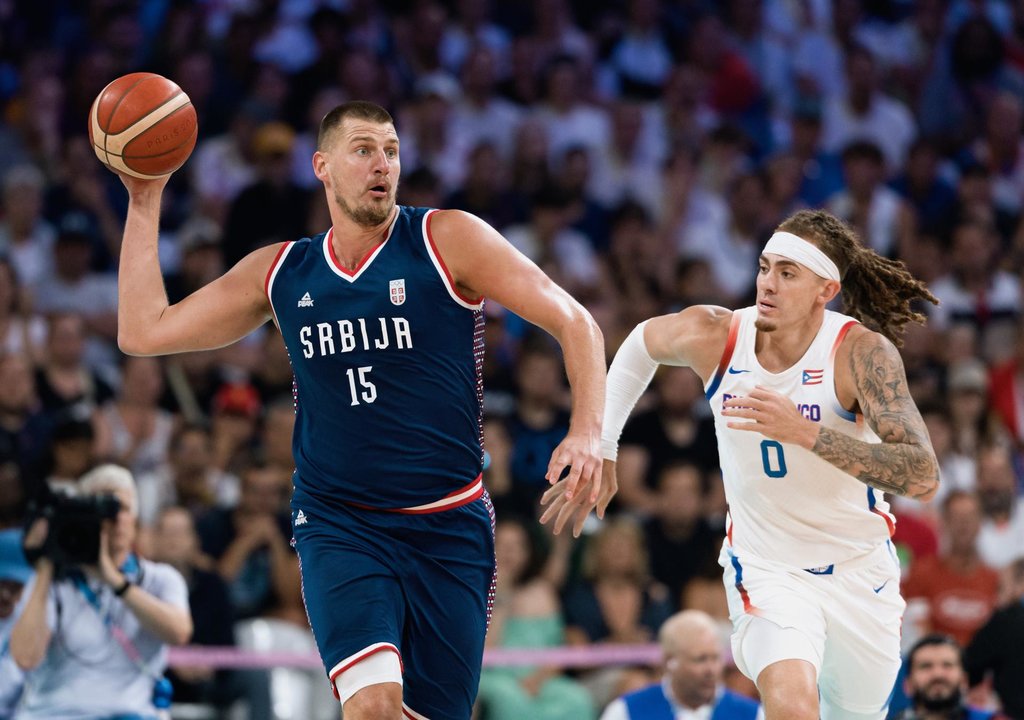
(353, 598)
(862, 653)
(449, 591)
(776, 615)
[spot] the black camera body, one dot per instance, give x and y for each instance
(75, 522)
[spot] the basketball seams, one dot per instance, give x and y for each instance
(106, 135)
(118, 141)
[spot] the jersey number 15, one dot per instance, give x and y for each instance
(367, 391)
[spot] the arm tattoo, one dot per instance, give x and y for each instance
(904, 462)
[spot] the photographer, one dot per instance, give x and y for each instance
(95, 636)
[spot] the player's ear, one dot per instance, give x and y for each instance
(829, 290)
(320, 166)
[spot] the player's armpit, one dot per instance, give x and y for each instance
(904, 463)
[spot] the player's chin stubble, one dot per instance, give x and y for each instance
(765, 326)
(369, 215)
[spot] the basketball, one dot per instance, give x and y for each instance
(144, 125)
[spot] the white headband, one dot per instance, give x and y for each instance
(795, 248)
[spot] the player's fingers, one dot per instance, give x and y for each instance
(565, 513)
(607, 493)
(742, 413)
(573, 479)
(581, 519)
(553, 492)
(754, 426)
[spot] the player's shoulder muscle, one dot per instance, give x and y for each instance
(694, 337)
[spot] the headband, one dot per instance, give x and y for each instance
(795, 248)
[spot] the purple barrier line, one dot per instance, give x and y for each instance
(577, 657)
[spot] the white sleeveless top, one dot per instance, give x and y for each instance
(786, 503)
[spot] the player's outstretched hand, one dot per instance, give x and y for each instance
(138, 185)
(563, 507)
(581, 454)
(773, 415)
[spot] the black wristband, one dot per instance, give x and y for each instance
(124, 588)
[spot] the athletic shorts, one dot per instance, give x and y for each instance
(418, 585)
(848, 617)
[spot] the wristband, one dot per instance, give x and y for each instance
(120, 591)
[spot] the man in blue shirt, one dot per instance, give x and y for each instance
(691, 688)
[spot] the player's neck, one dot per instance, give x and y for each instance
(350, 241)
(780, 349)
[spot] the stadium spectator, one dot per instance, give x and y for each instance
(959, 588)
(691, 685)
(996, 648)
(673, 429)
(527, 614)
(681, 542)
(1002, 529)
(935, 682)
(188, 479)
(250, 545)
(175, 542)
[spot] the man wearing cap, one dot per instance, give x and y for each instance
(814, 423)
(14, 573)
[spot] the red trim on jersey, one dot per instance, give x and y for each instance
(273, 266)
(888, 520)
(359, 658)
(728, 532)
(437, 505)
(839, 339)
(341, 268)
(444, 266)
(730, 343)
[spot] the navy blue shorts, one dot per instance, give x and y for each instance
(422, 583)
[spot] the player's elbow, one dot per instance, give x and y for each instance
(931, 480)
(134, 342)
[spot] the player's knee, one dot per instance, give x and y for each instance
(382, 701)
(780, 704)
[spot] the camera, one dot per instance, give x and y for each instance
(75, 522)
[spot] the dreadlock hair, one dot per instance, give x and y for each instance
(876, 290)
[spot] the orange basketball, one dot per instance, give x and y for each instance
(143, 124)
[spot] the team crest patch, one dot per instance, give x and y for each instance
(398, 291)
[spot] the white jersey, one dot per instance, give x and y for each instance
(785, 503)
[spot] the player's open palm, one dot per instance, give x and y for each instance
(771, 414)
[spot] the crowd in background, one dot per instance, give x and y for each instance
(641, 152)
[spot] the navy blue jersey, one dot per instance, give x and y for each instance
(387, 361)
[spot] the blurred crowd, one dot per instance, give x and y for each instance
(641, 152)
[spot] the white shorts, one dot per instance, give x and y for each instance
(845, 620)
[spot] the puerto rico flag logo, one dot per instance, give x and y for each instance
(398, 291)
(813, 377)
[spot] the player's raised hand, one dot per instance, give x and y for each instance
(771, 414)
(562, 507)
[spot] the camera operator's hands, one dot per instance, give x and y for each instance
(107, 568)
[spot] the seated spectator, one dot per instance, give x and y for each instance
(996, 647)
(72, 449)
(674, 429)
(617, 601)
(250, 544)
(691, 686)
(20, 331)
(526, 614)
(187, 479)
(1002, 529)
(134, 429)
(14, 573)
(680, 541)
(24, 430)
(959, 589)
(936, 682)
(95, 638)
(175, 543)
(63, 379)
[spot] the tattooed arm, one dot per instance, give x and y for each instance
(904, 462)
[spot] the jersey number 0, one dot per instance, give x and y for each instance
(772, 457)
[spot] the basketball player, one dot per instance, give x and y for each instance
(814, 424)
(382, 319)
